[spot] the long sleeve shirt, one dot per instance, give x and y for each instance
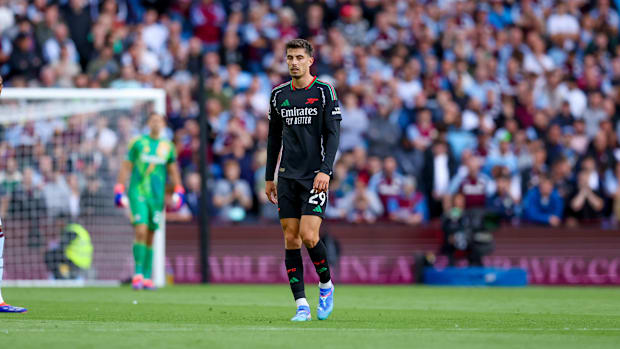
(305, 123)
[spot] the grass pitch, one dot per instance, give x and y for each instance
(249, 317)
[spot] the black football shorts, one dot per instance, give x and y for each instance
(296, 198)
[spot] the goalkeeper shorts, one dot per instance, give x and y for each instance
(145, 212)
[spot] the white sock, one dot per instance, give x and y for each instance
(326, 285)
(302, 301)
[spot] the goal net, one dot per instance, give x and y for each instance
(60, 152)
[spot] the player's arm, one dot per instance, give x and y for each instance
(274, 143)
(123, 174)
(178, 196)
(120, 200)
(331, 138)
(175, 174)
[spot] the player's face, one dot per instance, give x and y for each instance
(298, 61)
(156, 123)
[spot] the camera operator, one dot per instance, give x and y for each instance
(468, 233)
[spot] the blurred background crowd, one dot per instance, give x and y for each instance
(448, 105)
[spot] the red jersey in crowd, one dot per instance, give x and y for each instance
(208, 20)
(474, 190)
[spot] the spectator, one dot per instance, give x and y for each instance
(193, 185)
(154, 33)
(104, 138)
(530, 176)
(93, 197)
(576, 98)
(502, 202)
(554, 143)
(44, 29)
(388, 183)
(354, 126)
(562, 177)
(24, 61)
(584, 204)
(588, 164)
(144, 61)
(410, 206)
(362, 205)
(55, 189)
(127, 79)
(65, 69)
(235, 145)
(104, 68)
(410, 85)
(382, 34)
(564, 118)
(502, 156)
(563, 27)
(473, 185)
(27, 201)
(422, 133)
(537, 62)
(230, 51)
(191, 207)
(340, 186)
(208, 18)
(286, 28)
(594, 114)
(77, 16)
(439, 168)
(53, 45)
(579, 140)
(543, 205)
(35, 10)
(383, 134)
(352, 25)
(266, 209)
(10, 177)
(612, 189)
(361, 164)
(232, 196)
(601, 154)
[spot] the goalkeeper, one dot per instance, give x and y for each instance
(149, 160)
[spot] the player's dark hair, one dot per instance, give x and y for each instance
(301, 43)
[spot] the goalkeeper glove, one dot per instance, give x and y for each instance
(120, 199)
(178, 197)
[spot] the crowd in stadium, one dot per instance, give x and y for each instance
(446, 104)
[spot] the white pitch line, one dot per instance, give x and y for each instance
(324, 329)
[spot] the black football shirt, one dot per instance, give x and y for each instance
(305, 123)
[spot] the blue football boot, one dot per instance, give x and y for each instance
(326, 303)
(5, 308)
(303, 314)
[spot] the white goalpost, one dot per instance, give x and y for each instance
(60, 151)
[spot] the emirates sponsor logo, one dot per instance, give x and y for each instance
(285, 113)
